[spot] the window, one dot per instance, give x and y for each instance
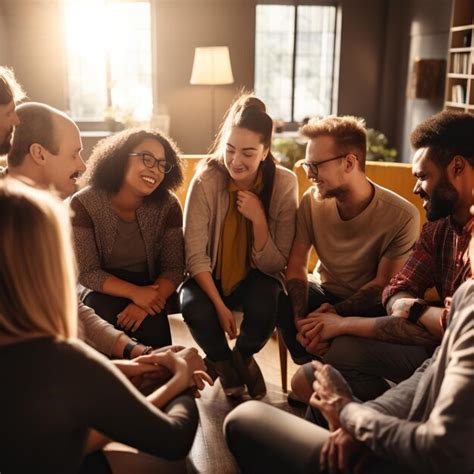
(109, 59)
(294, 60)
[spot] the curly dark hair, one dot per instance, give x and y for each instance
(108, 162)
(446, 134)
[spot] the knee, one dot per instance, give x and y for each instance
(241, 421)
(347, 352)
(193, 302)
(301, 385)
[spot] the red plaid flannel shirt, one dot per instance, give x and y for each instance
(440, 259)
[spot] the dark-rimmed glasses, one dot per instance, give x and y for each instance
(150, 161)
(314, 166)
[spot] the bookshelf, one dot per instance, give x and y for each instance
(459, 93)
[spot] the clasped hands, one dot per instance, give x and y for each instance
(146, 300)
(151, 370)
(315, 331)
(341, 452)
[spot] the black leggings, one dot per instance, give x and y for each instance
(153, 331)
(257, 296)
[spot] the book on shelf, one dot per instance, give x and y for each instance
(460, 63)
(458, 94)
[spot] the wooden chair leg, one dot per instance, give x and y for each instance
(283, 362)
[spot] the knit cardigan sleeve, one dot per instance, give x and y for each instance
(91, 274)
(171, 256)
(273, 258)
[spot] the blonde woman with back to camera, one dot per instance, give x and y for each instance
(239, 227)
(59, 389)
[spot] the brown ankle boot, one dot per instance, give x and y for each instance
(251, 374)
(211, 368)
(230, 379)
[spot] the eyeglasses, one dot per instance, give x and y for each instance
(150, 161)
(314, 167)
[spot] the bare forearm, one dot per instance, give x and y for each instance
(298, 292)
(116, 287)
(389, 329)
(166, 287)
(363, 300)
(174, 386)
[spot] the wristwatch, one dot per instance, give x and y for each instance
(416, 311)
(127, 350)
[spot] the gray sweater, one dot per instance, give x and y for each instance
(426, 423)
(95, 231)
(207, 202)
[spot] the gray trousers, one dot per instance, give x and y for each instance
(263, 438)
(366, 363)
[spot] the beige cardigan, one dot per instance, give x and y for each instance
(205, 209)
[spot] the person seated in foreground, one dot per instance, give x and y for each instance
(369, 350)
(59, 389)
(423, 425)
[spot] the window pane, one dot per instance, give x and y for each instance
(130, 59)
(110, 65)
(314, 61)
(274, 58)
(86, 59)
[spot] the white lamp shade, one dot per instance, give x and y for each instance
(212, 66)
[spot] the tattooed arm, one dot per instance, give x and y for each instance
(298, 292)
(370, 295)
(384, 328)
(297, 278)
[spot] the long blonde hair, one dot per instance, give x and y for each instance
(37, 265)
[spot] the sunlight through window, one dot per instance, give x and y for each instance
(109, 59)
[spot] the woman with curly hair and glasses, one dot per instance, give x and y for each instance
(239, 228)
(128, 232)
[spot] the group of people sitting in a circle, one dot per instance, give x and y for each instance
(93, 258)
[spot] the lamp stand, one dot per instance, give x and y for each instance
(213, 115)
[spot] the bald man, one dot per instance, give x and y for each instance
(46, 149)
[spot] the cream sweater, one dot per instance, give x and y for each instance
(205, 209)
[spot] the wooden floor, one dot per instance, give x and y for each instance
(209, 453)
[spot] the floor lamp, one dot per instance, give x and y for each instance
(211, 67)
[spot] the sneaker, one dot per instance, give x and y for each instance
(251, 374)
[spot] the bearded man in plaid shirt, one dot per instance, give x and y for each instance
(370, 351)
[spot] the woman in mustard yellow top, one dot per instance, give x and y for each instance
(239, 227)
